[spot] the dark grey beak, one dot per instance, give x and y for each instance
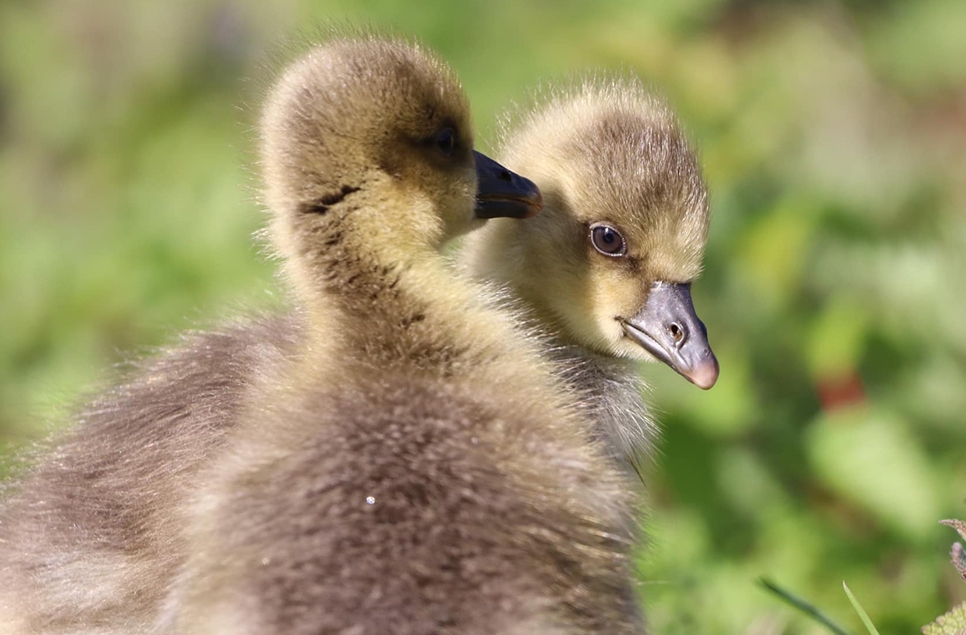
(502, 193)
(669, 329)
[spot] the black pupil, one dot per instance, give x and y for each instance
(608, 240)
(446, 140)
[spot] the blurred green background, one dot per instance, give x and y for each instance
(834, 139)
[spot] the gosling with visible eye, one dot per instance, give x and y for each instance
(607, 267)
(417, 469)
(94, 535)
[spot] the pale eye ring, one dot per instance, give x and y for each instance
(607, 240)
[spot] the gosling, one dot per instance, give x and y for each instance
(94, 536)
(90, 537)
(417, 469)
(606, 268)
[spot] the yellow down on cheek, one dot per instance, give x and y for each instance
(613, 292)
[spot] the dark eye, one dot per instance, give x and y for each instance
(677, 333)
(607, 240)
(446, 141)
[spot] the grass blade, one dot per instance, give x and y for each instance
(803, 606)
(858, 609)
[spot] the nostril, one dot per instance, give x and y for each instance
(676, 331)
(505, 176)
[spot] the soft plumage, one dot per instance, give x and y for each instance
(394, 457)
(617, 173)
(91, 535)
(418, 469)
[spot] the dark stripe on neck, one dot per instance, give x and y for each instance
(322, 205)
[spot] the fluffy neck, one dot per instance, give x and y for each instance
(610, 389)
(497, 254)
(378, 288)
(614, 396)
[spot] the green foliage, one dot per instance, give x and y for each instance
(861, 611)
(833, 139)
(802, 605)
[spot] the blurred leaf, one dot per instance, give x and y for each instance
(898, 35)
(871, 458)
(726, 411)
(837, 339)
(773, 251)
(747, 484)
